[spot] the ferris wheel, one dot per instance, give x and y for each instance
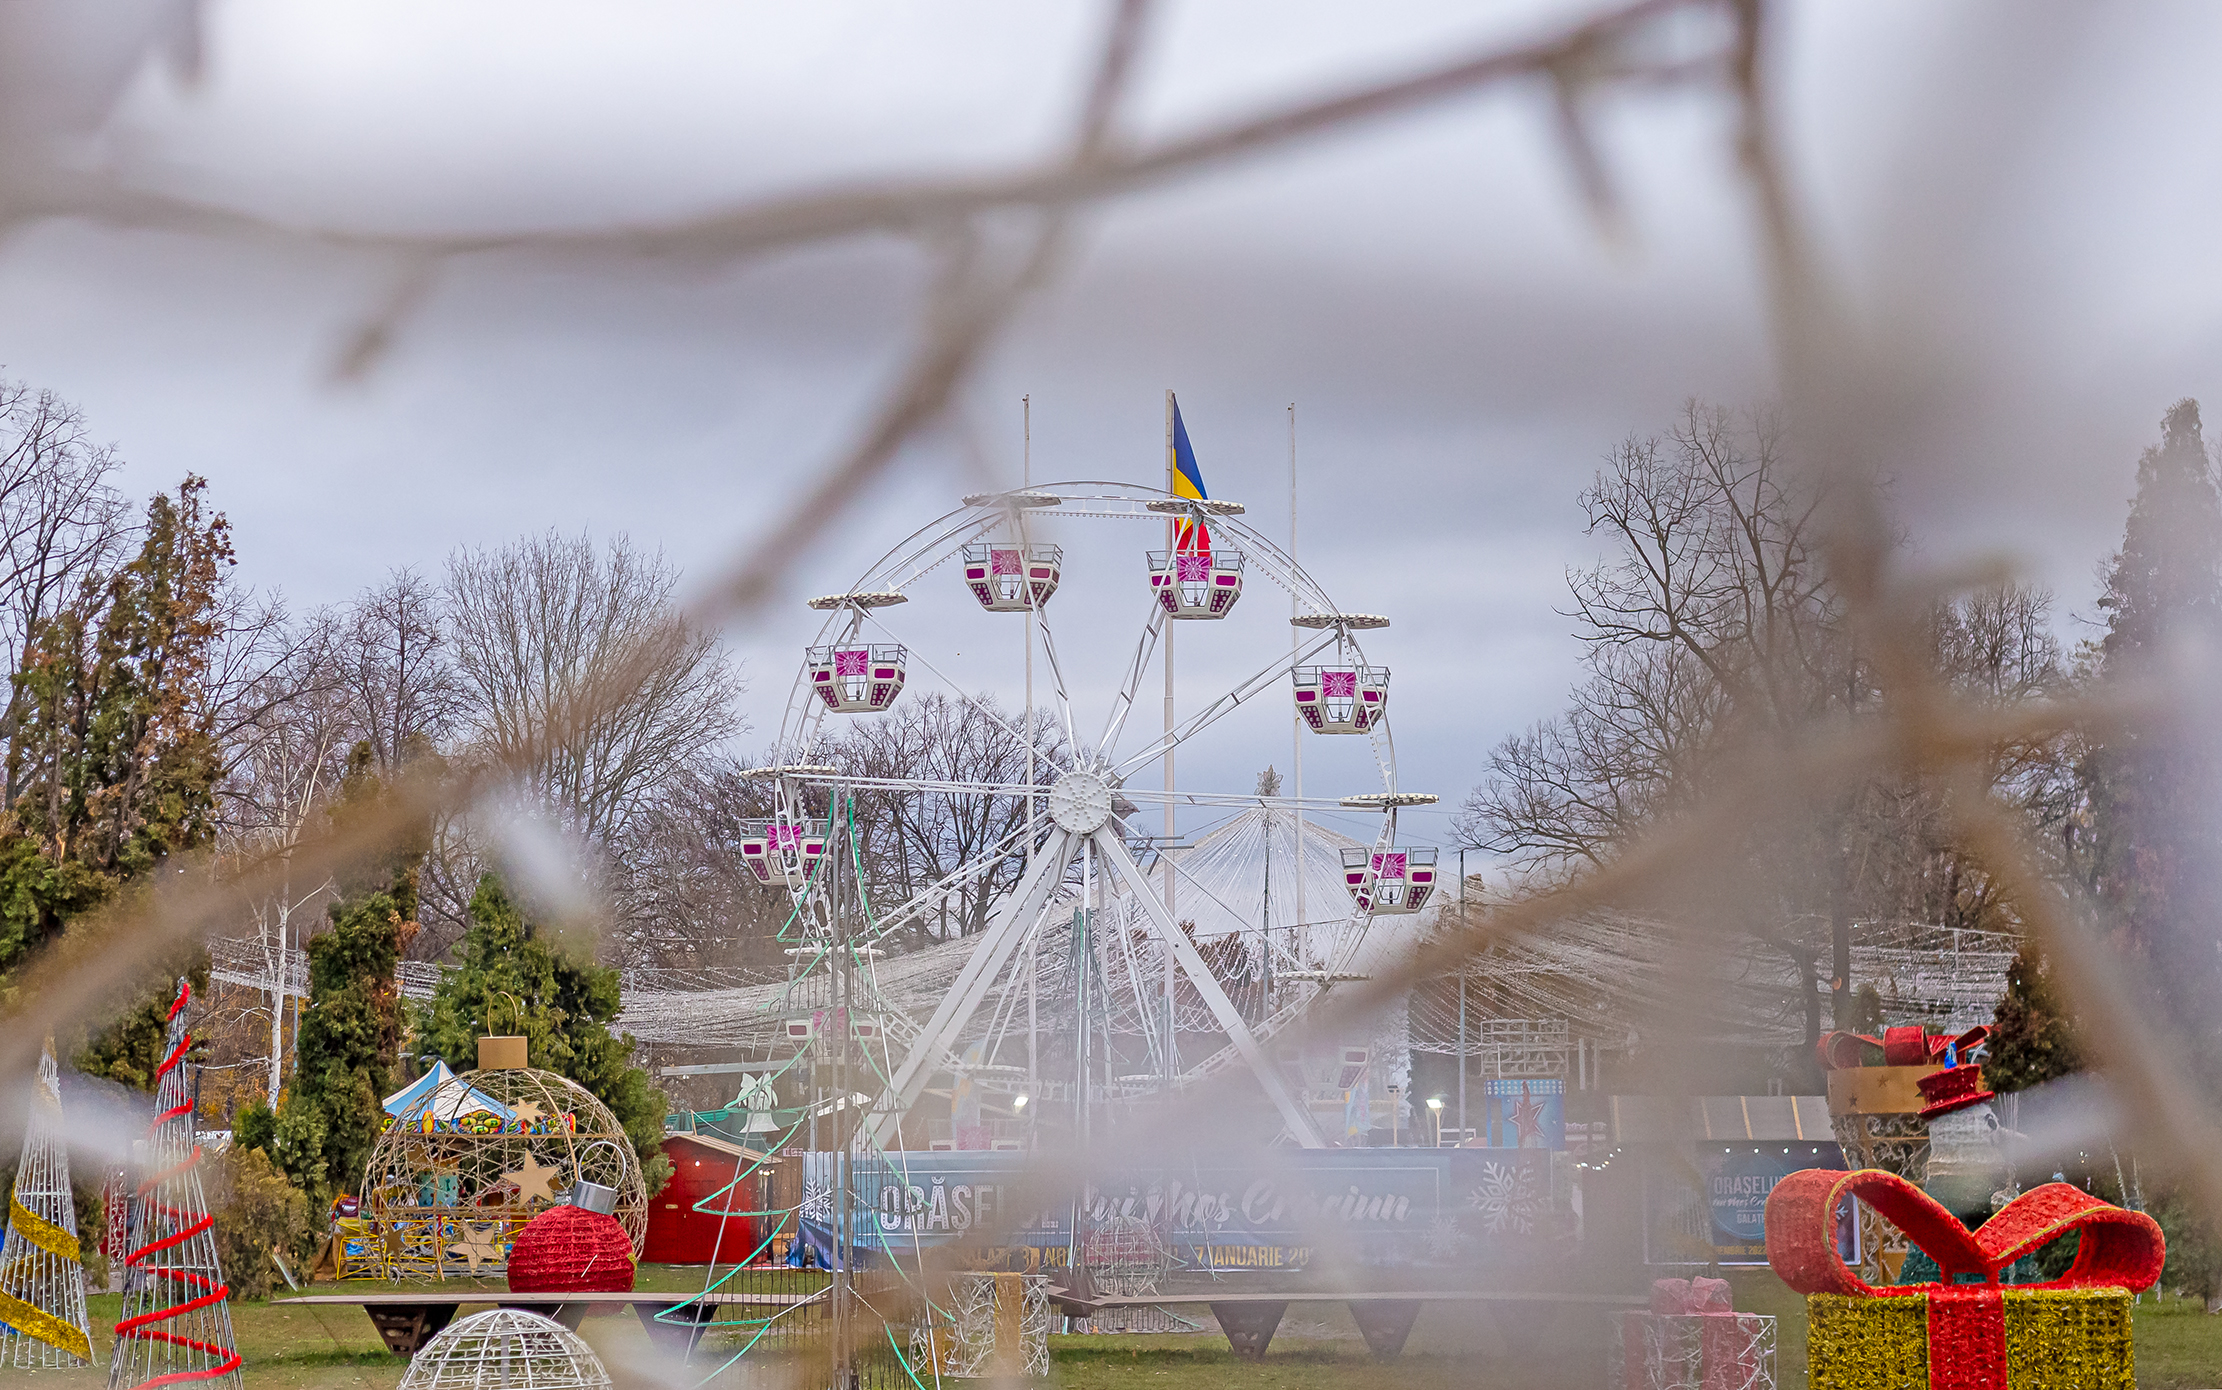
(1087, 803)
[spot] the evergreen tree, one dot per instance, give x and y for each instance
(562, 1006)
(2032, 1039)
(351, 1030)
(2156, 835)
(113, 764)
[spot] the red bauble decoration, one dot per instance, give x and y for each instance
(571, 1250)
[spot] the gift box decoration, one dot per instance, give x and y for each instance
(1969, 1332)
(1692, 1339)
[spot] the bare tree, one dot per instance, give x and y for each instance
(1714, 635)
(399, 668)
(684, 896)
(1710, 625)
(61, 520)
(580, 681)
(911, 840)
(283, 760)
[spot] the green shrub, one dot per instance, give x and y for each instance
(256, 1209)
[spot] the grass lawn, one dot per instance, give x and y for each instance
(2179, 1347)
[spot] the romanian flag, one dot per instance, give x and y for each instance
(1189, 534)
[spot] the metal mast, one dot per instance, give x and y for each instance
(1167, 1056)
(844, 1374)
(1296, 720)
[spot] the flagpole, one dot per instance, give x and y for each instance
(1296, 720)
(1033, 616)
(1165, 851)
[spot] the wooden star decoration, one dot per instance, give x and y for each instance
(533, 1179)
(528, 1111)
(393, 1239)
(476, 1247)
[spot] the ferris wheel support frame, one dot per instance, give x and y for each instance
(1013, 924)
(1014, 921)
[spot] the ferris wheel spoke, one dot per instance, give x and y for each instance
(1122, 704)
(1223, 706)
(930, 547)
(971, 700)
(1057, 680)
(986, 862)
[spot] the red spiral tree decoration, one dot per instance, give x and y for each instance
(176, 1326)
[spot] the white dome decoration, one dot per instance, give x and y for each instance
(507, 1349)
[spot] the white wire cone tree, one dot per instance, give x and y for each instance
(43, 1323)
(176, 1323)
(1084, 809)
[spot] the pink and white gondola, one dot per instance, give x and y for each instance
(1347, 699)
(1011, 578)
(1399, 879)
(1196, 583)
(857, 679)
(782, 851)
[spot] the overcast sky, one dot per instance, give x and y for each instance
(2019, 203)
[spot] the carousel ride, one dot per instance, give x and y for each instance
(1109, 928)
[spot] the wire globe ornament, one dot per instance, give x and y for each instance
(1126, 1257)
(456, 1175)
(510, 1349)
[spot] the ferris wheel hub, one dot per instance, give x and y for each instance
(1080, 802)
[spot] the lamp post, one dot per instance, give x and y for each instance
(1435, 1105)
(1396, 1109)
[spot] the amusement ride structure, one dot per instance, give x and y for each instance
(1085, 914)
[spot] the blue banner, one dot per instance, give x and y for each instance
(1736, 1188)
(1282, 1210)
(1524, 1114)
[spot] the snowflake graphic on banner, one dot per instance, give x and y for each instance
(817, 1201)
(1443, 1238)
(1507, 1198)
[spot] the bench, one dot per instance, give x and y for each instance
(406, 1321)
(1384, 1319)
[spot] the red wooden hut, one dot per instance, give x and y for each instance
(703, 1166)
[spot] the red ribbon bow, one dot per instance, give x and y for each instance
(1967, 1322)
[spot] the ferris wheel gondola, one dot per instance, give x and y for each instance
(995, 542)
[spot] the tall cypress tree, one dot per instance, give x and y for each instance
(562, 1006)
(2151, 783)
(113, 764)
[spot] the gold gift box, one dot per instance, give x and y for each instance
(2056, 1339)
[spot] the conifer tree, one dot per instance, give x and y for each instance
(561, 1005)
(113, 763)
(2151, 782)
(2032, 1039)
